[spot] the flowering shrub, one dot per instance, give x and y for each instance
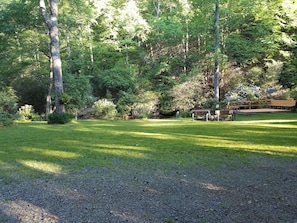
(244, 92)
(146, 106)
(104, 109)
(26, 112)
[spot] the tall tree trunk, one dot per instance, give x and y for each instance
(186, 56)
(216, 55)
(52, 23)
(157, 7)
(127, 60)
(49, 94)
(91, 47)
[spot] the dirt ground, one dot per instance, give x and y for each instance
(262, 191)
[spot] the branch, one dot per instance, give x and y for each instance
(44, 13)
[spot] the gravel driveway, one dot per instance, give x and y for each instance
(264, 190)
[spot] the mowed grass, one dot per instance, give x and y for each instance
(37, 149)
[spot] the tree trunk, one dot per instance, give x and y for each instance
(216, 55)
(52, 24)
(49, 94)
(186, 56)
(157, 7)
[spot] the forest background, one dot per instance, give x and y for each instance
(148, 57)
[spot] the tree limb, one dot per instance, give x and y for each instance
(44, 13)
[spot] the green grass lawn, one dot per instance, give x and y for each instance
(37, 149)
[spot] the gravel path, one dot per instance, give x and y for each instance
(265, 191)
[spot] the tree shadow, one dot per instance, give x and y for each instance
(96, 167)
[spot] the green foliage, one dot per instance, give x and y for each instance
(243, 50)
(293, 93)
(32, 88)
(125, 102)
(214, 104)
(104, 109)
(110, 83)
(117, 49)
(79, 91)
(6, 122)
(5, 118)
(63, 118)
(8, 100)
(288, 77)
(65, 98)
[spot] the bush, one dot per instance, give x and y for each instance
(8, 100)
(5, 119)
(62, 118)
(214, 104)
(141, 110)
(26, 112)
(104, 109)
(244, 92)
(146, 106)
(65, 98)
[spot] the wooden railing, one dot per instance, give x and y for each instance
(284, 104)
(236, 105)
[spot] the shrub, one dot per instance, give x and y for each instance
(8, 100)
(141, 110)
(293, 93)
(244, 92)
(146, 105)
(104, 109)
(5, 119)
(65, 98)
(185, 114)
(214, 104)
(62, 118)
(26, 112)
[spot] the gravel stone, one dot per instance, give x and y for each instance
(265, 191)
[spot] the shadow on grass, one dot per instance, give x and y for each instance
(36, 150)
(37, 147)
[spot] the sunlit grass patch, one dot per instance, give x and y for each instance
(35, 149)
(52, 153)
(42, 166)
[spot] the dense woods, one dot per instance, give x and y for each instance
(148, 57)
